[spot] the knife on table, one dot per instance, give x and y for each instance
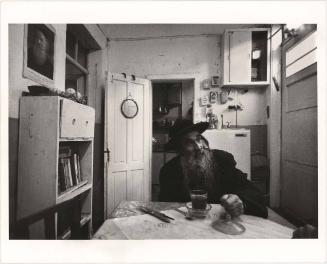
(156, 214)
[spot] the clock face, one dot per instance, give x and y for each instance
(129, 108)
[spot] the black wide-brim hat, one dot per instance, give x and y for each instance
(182, 127)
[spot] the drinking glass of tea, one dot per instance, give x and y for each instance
(199, 199)
(198, 207)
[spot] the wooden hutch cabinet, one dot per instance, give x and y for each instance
(55, 159)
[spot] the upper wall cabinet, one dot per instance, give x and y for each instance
(246, 57)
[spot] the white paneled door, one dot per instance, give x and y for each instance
(127, 142)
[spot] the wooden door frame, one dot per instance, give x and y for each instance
(160, 77)
(106, 123)
(183, 76)
(274, 120)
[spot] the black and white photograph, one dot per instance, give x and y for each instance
(114, 142)
(39, 42)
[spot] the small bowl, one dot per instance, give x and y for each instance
(198, 213)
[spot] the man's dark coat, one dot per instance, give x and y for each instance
(227, 180)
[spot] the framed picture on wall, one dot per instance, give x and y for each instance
(39, 53)
(215, 81)
(213, 97)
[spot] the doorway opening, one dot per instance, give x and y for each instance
(171, 99)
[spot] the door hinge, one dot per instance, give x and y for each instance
(107, 151)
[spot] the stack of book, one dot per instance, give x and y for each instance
(69, 169)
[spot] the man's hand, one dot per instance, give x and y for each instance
(307, 231)
(232, 204)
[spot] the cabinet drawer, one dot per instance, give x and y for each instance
(77, 120)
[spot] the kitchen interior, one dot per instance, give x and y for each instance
(221, 105)
(227, 74)
(237, 79)
(171, 99)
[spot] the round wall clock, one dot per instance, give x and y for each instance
(129, 108)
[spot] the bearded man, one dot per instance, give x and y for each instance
(199, 167)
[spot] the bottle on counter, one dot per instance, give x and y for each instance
(211, 118)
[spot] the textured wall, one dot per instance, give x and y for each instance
(16, 80)
(197, 55)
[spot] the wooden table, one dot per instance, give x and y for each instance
(127, 222)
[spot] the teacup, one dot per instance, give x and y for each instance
(199, 199)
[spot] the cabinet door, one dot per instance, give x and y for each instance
(238, 57)
(242, 152)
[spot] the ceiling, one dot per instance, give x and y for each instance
(142, 31)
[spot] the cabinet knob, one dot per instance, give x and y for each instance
(86, 122)
(74, 121)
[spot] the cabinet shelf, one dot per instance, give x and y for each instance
(75, 139)
(247, 84)
(84, 220)
(74, 191)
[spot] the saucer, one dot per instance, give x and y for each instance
(198, 213)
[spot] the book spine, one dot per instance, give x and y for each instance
(76, 168)
(65, 172)
(67, 180)
(79, 169)
(73, 169)
(61, 176)
(69, 171)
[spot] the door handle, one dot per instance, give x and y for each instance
(107, 151)
(240, 135)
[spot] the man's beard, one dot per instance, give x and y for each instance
(40, 55)
(198, 169)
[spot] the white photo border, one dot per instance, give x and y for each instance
(166, 251)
